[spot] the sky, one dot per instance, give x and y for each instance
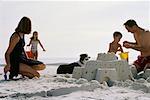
(69, 28)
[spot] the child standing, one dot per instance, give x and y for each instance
(34, 44)
(115, 46)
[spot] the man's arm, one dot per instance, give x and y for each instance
(130, 42)
(139, 48)
(135, 47)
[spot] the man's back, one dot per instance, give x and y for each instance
(145, 43)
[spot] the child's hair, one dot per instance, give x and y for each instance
(33, 35)
(116, 34)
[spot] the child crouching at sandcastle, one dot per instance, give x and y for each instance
(115, 46)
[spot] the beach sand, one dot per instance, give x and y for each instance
(51, 86)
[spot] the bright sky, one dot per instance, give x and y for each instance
(69, 28)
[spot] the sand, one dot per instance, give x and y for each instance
(51, 86)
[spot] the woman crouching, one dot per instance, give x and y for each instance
(15, 56)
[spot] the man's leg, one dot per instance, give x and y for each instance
(133, 70)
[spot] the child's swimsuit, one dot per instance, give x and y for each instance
(34, 45)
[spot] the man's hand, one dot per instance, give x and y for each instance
(126, 44)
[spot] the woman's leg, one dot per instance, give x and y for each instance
(39, 67)
(28, 71)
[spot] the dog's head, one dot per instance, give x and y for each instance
(84, 58)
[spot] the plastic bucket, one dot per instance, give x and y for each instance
(29, 54)
(124, 55)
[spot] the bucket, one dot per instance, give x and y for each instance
(29, 53)
(124, 55)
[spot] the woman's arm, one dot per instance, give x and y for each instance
(12, 43)
(25, 53)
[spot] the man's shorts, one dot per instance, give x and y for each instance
(141, 62)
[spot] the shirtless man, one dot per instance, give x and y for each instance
(142, 44)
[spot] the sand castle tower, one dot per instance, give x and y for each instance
(106, 66)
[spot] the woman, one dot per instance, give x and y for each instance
(34, 45)
(16, 59)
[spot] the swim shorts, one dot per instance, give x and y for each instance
(141, 62)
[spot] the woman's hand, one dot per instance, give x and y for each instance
(6, 68)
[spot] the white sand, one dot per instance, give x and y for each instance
(62, 87)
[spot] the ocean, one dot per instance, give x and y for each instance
(49, 61)
(56, 61)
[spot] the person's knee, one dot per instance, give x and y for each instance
(37, 75)
(43, 66)
(39, 67)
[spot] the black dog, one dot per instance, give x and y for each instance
(68, 68)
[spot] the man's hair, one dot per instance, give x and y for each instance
(130, 23)
(116, 34)
(24, 26)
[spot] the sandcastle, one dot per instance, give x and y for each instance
(106, 66)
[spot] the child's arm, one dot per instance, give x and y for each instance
(29, 43)
(109, 50)
(120, 48)
(41, 45)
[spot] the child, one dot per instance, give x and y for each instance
(34, 43)
(115, 46)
